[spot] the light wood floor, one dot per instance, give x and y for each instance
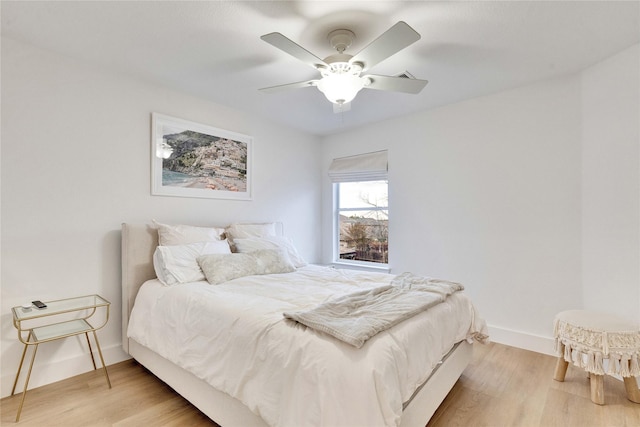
(503, 386)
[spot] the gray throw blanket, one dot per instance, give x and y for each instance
(356, 317)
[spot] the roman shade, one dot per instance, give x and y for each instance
(361, 167)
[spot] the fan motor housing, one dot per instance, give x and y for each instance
(339, 64)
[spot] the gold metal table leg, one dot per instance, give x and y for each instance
(24, 352)
(93, 360)
(104, 367)
(26, 382)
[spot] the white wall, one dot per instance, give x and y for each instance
(611, 184)
(489, 192)
(76, 164)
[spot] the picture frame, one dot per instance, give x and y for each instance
(189, 159)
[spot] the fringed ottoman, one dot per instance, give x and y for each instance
(588, 339)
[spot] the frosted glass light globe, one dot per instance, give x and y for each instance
(340, 88)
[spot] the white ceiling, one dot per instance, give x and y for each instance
(213, 49)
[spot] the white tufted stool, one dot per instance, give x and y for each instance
(587, 338)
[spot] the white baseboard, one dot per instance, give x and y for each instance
(48, 373)
(537, 343)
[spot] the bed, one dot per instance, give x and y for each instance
(237, 399)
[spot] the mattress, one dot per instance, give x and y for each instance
(234, 337)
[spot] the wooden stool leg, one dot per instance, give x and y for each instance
(597, 389)
(633, 392)
(561, 366)
(561, 369)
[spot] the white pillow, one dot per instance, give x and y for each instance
(243, 231)
(271, 242)
(221, 268)
(169, 235)
(178, 264)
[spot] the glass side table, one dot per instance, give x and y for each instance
(60, 319)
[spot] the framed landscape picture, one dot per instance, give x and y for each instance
(194, 160)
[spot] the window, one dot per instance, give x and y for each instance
(362, 221)
(361, 208)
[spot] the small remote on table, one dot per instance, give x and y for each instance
(39, 304)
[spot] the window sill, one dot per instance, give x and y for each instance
(362, 266)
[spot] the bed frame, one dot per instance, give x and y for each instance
(138, 244)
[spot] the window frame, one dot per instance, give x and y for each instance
(336, 228)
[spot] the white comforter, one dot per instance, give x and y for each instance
(234, 336)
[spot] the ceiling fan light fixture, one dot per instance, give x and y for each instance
(341, 88)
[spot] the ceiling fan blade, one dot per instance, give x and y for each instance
(297, 85)
(390, 42)
(294, 49)
(395, 84)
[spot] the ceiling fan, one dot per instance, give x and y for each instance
(343, 75)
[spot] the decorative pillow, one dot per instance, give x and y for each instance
(178, 264)
(220, 268)
(271, 242)
(169, 235)
(243, 231)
